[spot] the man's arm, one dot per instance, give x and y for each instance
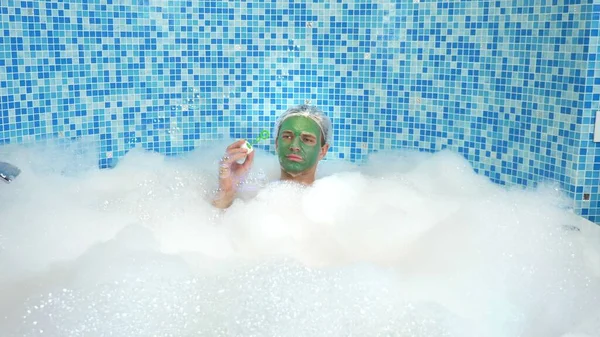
(224, 198)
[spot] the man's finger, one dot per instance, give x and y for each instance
(229, 159)
(236, 144)
(248, 162)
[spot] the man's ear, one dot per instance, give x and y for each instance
(323, 151)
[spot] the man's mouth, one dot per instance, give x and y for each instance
(294, 157)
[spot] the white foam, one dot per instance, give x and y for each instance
(409, 243)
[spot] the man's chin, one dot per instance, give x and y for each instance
(293, 175)
(294, 172)
(293, 168)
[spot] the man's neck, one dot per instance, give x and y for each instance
(305, 178)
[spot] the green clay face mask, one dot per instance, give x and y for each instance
(298, 144)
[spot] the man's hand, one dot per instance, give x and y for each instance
(231, 172)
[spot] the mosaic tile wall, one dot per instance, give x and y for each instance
(588, 166)
(511, 85)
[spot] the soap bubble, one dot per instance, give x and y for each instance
(406, 244)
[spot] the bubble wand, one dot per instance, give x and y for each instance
(264, 134)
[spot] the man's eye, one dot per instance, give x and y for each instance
(286, 136)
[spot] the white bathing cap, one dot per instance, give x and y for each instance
(311, 112)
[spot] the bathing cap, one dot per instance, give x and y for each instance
(311, 112)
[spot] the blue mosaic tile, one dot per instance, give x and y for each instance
(512, 85)
(588, 164)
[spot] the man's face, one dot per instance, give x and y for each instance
(298, 144)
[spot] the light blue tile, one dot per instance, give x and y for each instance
(511, 85)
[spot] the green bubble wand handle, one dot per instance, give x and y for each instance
(264, 134)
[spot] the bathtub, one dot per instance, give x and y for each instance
(407, 244)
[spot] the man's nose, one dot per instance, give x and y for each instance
(295, 145)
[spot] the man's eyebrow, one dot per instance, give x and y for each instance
(304, 133)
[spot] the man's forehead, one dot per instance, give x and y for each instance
(299, 122)
(302, 132)
(300, 126)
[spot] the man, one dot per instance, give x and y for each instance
(302, 140)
